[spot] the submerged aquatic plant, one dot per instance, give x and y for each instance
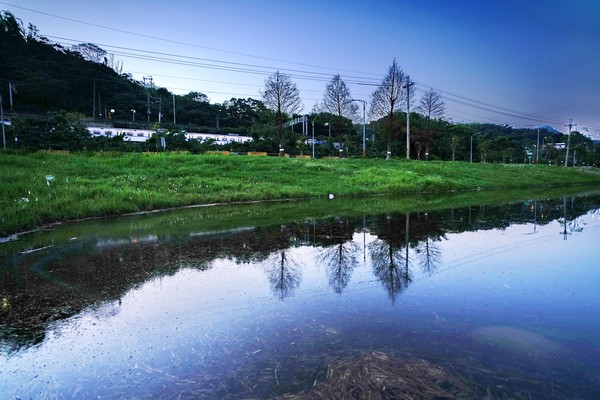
(376, 375)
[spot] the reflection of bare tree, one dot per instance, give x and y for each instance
(284, 274)
(390, 266)
(390, 263)
(429, 255)
(340, 261)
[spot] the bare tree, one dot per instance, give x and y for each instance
(386, 100)
(90, 52)
(283, 97)
(284, 274)
(115, 64)
(429, 255)
(387, 261)
(337, 100)
(432, 106)
(340, 260)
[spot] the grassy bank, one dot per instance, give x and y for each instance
(42, 188)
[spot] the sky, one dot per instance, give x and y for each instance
(523, 63)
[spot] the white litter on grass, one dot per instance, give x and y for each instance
(49, 178)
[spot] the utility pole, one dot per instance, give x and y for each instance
(94, 102)
(570, 125)
(159, 110)
(174, 120)
(407, 87)
(11, 89)
(2, 120)
(148, 105)
(364, 143)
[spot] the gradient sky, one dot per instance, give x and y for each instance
(520, 62)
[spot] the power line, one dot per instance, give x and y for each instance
(481, 103)
(173, 41)
(296, 73)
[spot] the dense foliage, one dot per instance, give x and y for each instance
(51, 93)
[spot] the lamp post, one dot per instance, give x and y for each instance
(364, 147)
(537, 147)
(313, 138)
(133, 115)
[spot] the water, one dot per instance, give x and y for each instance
(503, 298)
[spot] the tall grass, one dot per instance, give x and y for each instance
(42, 188)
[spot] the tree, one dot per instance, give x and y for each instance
(283, 97)
(432, 106)
(243, 112)
(196, 97)
(11, 26)
(90, 52)
(337, 100)
(454, 143)
(67, 132)
(386, 100)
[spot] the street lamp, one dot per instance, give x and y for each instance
(313, 138)
(133, 115)
(364, 147)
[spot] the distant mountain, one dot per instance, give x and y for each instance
(548, 128)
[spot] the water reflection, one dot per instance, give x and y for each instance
(57, 282)
(339, 253)
(284, 274)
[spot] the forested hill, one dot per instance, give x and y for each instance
(48, 77)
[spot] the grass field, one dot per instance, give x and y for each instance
(43, 188)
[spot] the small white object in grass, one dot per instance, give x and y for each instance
(331, 196)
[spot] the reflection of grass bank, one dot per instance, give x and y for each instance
(42, 188)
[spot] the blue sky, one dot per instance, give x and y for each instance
(523, 63)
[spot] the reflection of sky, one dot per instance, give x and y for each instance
(211, 323)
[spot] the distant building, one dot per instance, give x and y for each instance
(142, 135)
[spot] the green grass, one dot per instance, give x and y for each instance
(43, 188)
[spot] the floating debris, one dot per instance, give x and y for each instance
(35, 250)
(376, 375)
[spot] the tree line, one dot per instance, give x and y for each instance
(56, 91)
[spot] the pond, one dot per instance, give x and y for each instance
(453, 297)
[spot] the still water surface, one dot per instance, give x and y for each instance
(505, 299)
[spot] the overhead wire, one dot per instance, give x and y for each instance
(170, 40)
(256, 69)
